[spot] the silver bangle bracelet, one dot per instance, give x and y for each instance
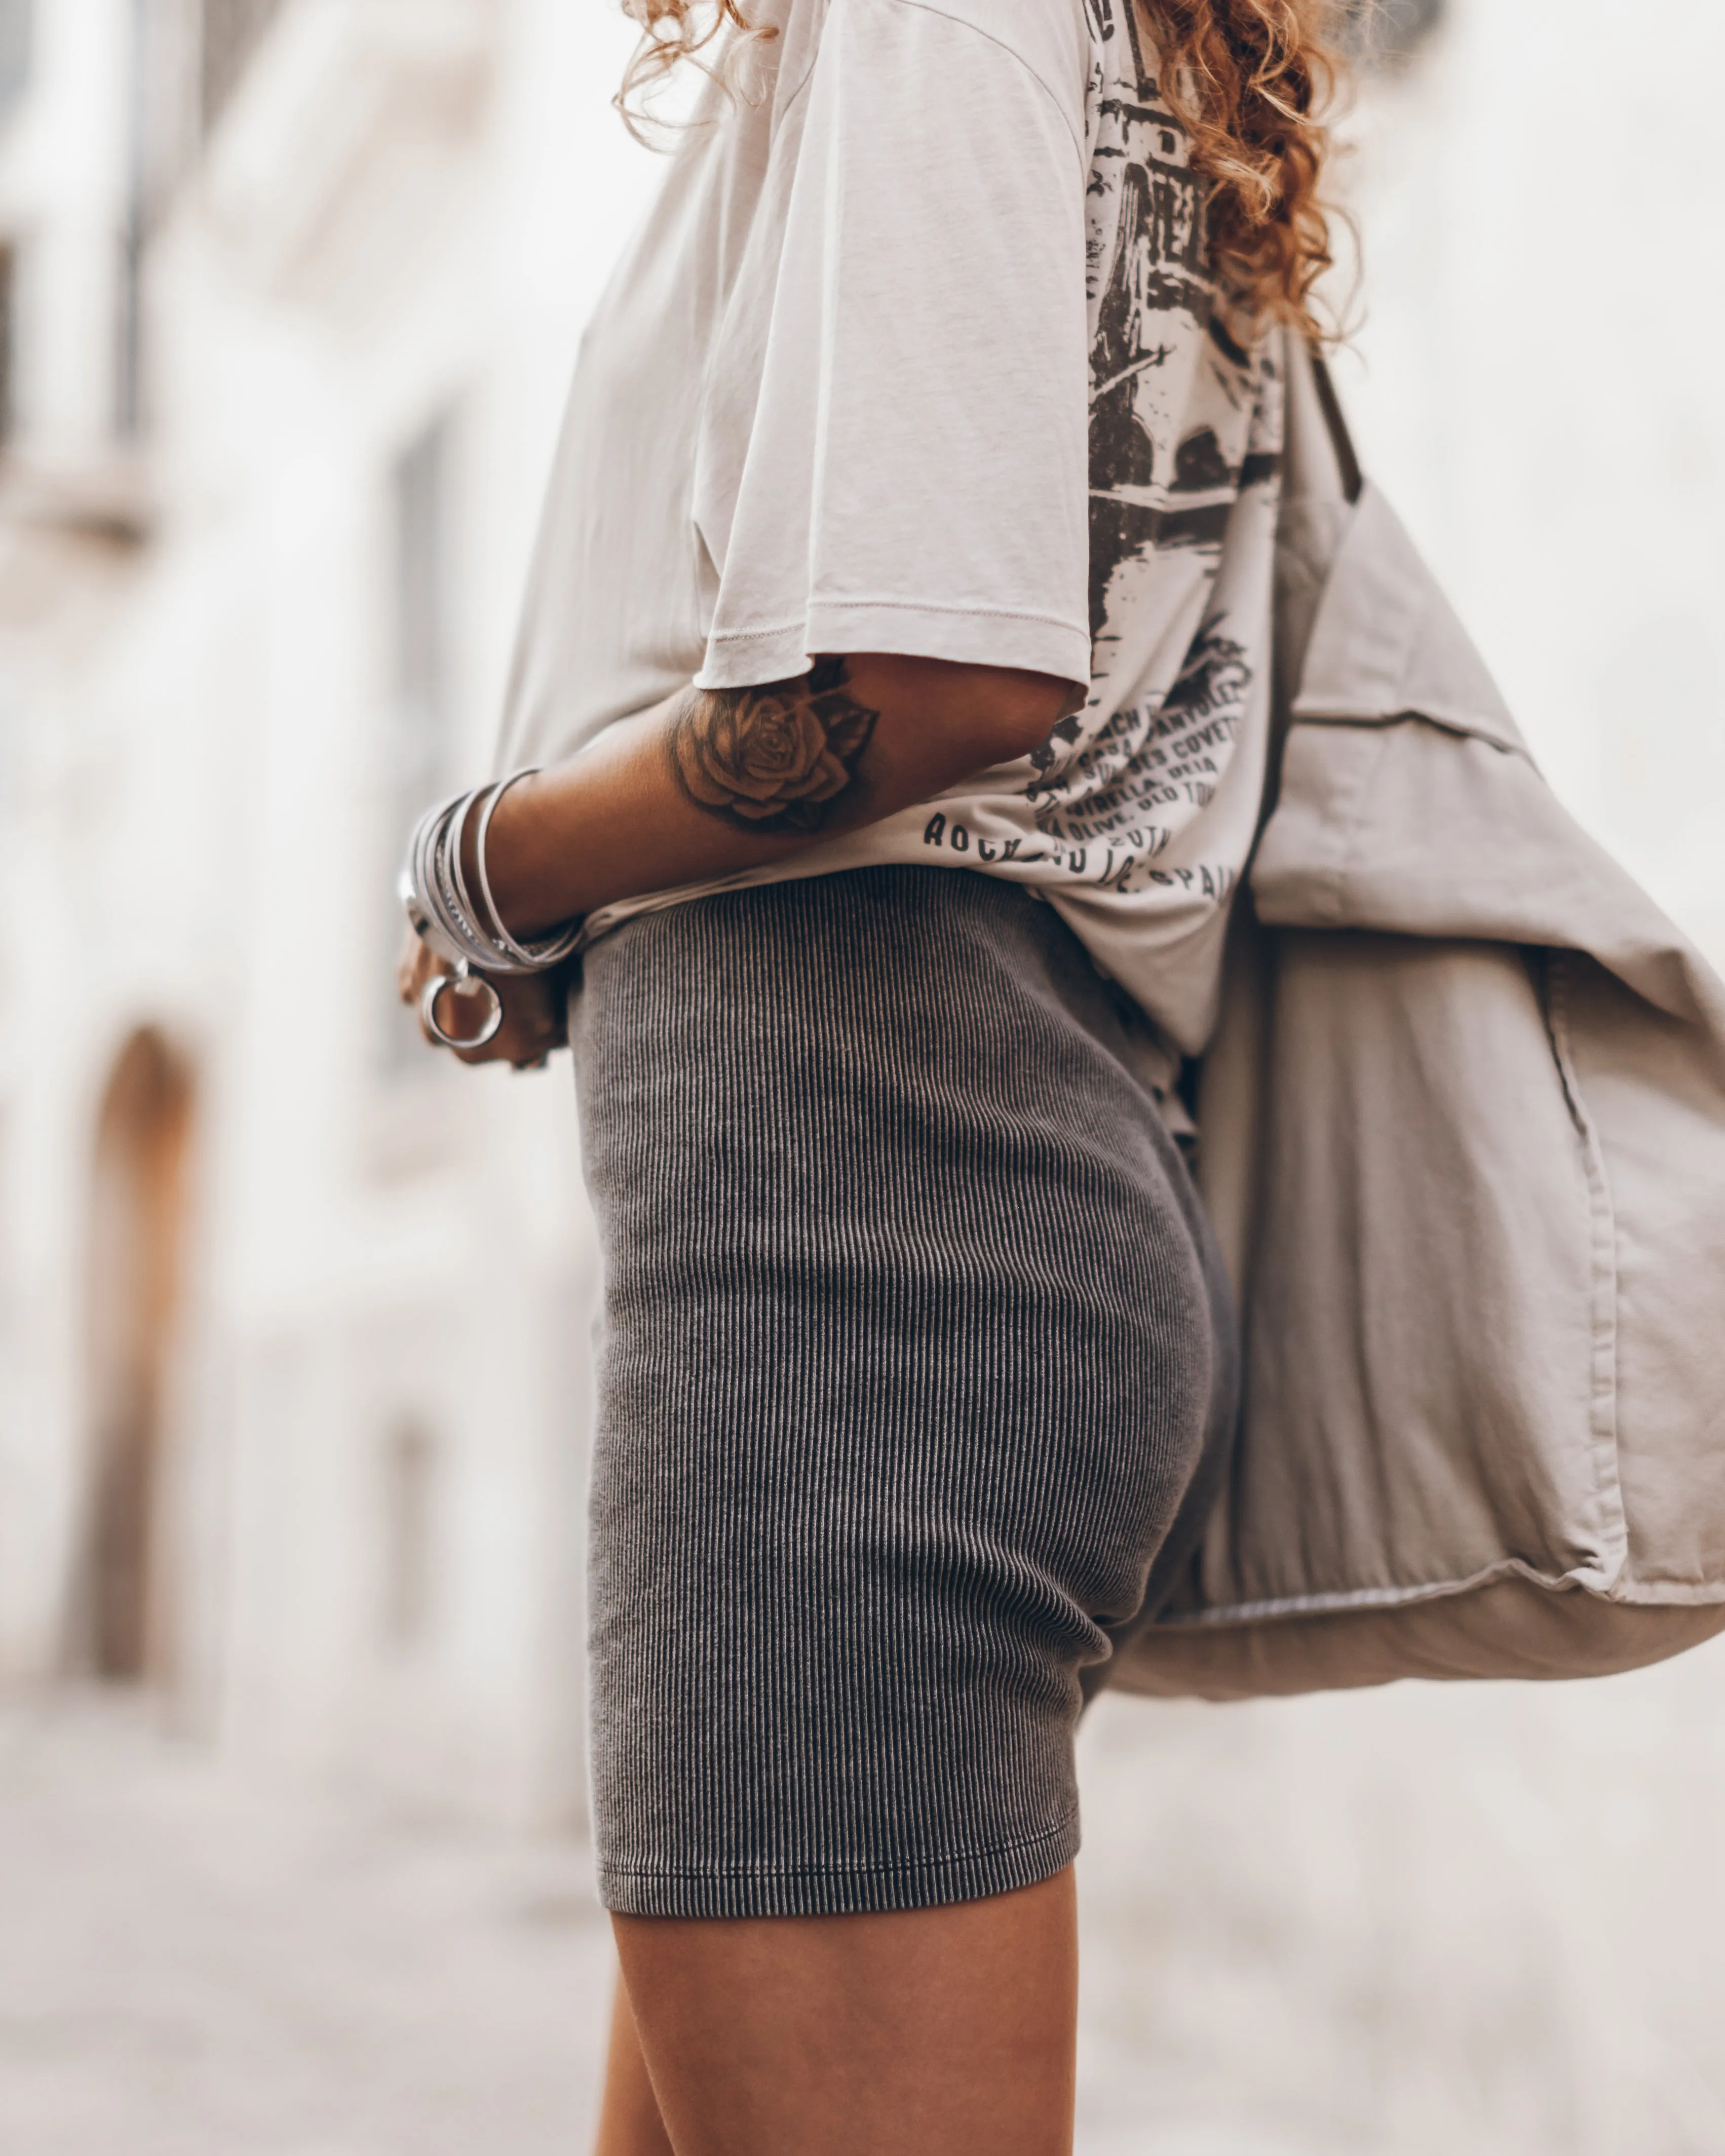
(455, 834)
(417, 885)
(433, 891)
(451, 889)
(548, 950)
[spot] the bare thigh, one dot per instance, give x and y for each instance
(932, 2032)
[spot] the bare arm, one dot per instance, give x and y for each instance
(714, 781)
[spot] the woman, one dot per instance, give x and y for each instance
(896, 667)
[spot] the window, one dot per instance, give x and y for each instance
(8, 343)
(231, 32)
(15, 27)
(419, 745)
(1406, 22)
(8, 1219)
(140, 1221)
(128, 335)
(421, 488)
(1388, 32)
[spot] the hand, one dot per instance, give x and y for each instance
(535, 1017)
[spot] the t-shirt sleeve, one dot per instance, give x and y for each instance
(914, 476)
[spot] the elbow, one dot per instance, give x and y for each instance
(984, 715)
(1017, 713)
(945, 720)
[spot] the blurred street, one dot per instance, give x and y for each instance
(1406, 1923)
(194, 1963)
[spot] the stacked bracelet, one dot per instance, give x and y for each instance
(470, 936)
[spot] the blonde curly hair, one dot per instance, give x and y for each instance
(672, 31)
(1250, 79)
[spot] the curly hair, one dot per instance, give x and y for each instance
(672, 31)
(1250, 80)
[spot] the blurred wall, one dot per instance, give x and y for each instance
(257, 571)
(1533, 381)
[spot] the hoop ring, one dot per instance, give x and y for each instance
(432, 991)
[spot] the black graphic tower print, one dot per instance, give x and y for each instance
(1184, 415)
(1144, 488)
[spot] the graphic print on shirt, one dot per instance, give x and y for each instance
(1184, 415)
(762, 466)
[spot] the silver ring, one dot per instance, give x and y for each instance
(427, 1009)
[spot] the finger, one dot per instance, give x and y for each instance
(535, 1020)
(410, 974)
(524, 1038)
(515, 1041)
(411, 982)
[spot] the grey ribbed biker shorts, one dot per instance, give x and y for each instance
(915, 1363)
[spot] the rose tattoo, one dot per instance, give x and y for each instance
(772, 758)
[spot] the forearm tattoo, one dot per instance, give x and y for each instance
(781, 757)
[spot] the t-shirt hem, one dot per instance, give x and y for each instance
(975, 636)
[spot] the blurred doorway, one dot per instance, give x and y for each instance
(136, 1249)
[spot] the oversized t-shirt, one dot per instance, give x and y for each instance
(920, 351)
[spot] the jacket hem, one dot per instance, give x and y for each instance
(1602, 1588)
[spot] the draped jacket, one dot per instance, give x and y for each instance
(1463, 1143)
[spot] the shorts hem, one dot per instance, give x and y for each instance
(812, 1891)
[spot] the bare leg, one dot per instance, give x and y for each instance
(936, 2032)
(630, 2124)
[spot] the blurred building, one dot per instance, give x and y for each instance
(296, 1315)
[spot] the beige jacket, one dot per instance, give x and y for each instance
(1464, 1144)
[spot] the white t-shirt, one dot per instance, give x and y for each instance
(919, 351)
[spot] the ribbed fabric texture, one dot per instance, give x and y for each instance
(910, 1354)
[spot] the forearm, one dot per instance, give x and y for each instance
(711, 783)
